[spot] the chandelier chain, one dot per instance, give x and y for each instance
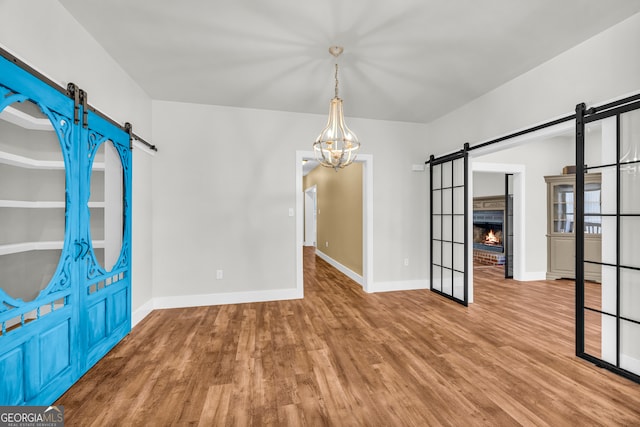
(336, 80)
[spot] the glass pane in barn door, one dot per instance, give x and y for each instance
(630, 149)
(447, 174)
(629, 269)
(630, 346)
(106, 205)
(32, 199)
(436, 177)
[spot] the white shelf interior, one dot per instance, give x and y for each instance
(42, 205)
(13, 154)
(29, 163)
(15, 248)
(24, 120)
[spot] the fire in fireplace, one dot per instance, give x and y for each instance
(487, 230)
(493, 239)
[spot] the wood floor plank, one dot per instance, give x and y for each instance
(341, 357)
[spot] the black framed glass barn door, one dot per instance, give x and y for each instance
(608, 236)
(508, 226)
(448, 226)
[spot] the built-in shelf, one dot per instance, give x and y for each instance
(15, 248)
(42, 205)
(30, 163)
(24, 120)
(27, 121)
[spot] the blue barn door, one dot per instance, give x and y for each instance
(38, 263)
(105, 297)
(65, 231)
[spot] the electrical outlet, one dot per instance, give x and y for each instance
(219, 274)
(326, 244)
(406, 262)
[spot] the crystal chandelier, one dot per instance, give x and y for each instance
(336, 146)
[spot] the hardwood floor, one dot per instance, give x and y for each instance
(346, 358)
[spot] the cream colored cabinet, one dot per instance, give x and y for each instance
(561, 226)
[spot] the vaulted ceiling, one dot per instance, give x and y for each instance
(405, 60)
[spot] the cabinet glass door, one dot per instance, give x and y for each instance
(592, 218)
(563, 208)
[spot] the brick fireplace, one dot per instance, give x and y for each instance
(488, 223)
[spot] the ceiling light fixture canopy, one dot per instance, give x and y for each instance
(336, 146)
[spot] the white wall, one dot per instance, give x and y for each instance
(223, 185)
(45, 36)
(487, 184)
(604, 67)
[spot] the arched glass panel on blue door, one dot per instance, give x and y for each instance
(106, 205)
(32, 200)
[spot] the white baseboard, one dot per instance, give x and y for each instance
(403, 285)
(180, 301)
(345, 270)
(141, 312)
(630, 363)
(530, 276)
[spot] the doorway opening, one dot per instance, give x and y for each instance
(496, 221)
(528, 159)
(310, 216)
(366, 278)
(493, 221)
